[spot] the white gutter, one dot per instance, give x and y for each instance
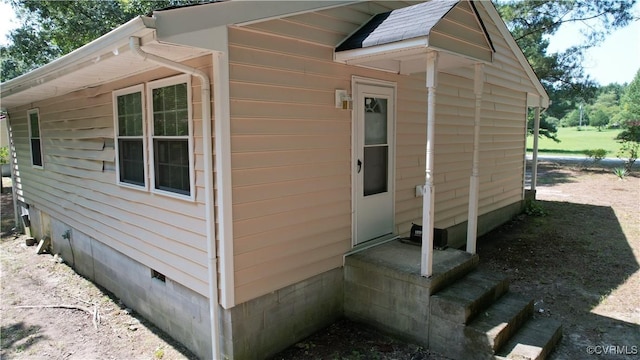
(79, 58)
(134, 44)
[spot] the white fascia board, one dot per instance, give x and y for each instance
(386, 51)
(109, 42)
(177, 25)
(497, 19)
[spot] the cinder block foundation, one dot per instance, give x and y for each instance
(177, 310)
(266, 325)
(381, 286)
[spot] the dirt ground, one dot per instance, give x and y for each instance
(579, 260)
(576, 254)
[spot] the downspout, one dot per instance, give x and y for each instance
(205, 89)
(426, 263)
(13, 161)
(474, 185)
(534, 160)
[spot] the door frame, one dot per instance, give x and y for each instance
(355, 81)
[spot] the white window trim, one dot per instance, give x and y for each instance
(37, 112)
(150, 87)
(115, 94)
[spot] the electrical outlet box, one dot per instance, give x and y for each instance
(419, 190)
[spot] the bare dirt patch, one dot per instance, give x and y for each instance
(93, 325)
(580, 262)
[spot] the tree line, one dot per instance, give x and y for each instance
(610, 106)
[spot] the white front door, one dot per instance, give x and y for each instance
(374, 110)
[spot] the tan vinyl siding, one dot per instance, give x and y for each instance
(328, 27)
(78, 183)
(291, 149)
(461, 33)
(291, 157)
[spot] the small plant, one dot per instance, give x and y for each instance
(534, 208)
(629, 140)
(595, 154)
(4, 155)
(159, 353)
(621, 173)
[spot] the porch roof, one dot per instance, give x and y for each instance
(398, 40)
(397, 25)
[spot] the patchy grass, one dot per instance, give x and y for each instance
(574, 142)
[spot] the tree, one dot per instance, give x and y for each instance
(50, 29)
(599, 119)
(531, 22)
(630, 101)
(629, 138)
(573, 118)
(606, 106)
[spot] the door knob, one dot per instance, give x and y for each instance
(359, 166)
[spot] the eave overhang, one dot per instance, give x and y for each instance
(101, 61)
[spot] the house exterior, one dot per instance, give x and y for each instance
(213, 165)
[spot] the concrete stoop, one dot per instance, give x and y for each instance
(477, 317)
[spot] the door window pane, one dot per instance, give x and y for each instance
(375, 121)
(375, 169)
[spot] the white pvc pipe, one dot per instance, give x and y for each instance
(474, 182)
(205, 89)
(534, 160)
(426, 263)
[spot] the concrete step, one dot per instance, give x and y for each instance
(449, 266)
(535, 340)
(494, 326)
(467, 297)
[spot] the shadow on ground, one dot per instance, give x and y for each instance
(19, 336)
(574, 273)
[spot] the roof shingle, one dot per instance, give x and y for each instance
(397, 25)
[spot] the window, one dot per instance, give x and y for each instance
(130, 142)
(171, 135)
(34, 137)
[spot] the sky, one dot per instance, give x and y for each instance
(616, 60)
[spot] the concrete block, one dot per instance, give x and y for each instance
(535, 340)
(462, 301)
(263, 326)
(494, 326)
(446, 337)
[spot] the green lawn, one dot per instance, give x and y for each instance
(574, 142)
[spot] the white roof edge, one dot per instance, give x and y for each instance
(345, 56)
(497, 19)
(234, 12)
(92, 49)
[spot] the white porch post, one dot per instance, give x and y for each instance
(474, 185)
(426, 264)
(534, 160)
